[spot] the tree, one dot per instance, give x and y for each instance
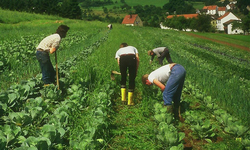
(242, 5)
(203, 23)
(70, 9)
(246, 23)
(178, 6)
(210, 2)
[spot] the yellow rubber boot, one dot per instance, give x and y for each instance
(46, 85)
(130, 98)
(123, 94)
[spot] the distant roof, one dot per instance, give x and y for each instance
(222, 8)
(129, 19)
(187, 16)
(223, 16)
(211, 7)
(230, 21)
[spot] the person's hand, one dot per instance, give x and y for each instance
(150, 62)
(52, 50)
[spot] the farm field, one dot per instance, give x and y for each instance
(241, 40)
(86, 113)
(158, 3)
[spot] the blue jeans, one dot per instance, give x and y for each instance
(174, 85)
(48, 72)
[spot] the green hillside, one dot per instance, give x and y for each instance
(87, 112)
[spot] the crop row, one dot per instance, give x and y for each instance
(216, 80)
(203, 125)
(19, 53)
(37, 117)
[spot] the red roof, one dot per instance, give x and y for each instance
(223, 15)
(228, 22)
(211, 7)
(129, 19)
(187, 16)
(221, 8)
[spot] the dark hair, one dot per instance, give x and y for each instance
(144, 78)
(123, 45)
(62, 30)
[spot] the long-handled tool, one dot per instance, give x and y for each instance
(57, 78)
(112, 75)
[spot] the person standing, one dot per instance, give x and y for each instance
(49, 45)
(161, 53)
(170, 79)
(127, 58)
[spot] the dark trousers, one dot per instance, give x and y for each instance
(128, 62)
(166, 55)
(48, 72)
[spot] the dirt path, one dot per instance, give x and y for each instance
(218, 41)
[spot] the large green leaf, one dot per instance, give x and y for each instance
(49, 131)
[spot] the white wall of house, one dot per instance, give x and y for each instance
(235, 31)
(129, 24)
(221, 13)
(220, 22)
(212, 12)
(228, 7)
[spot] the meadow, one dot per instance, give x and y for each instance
(157, 3)
(86, 113)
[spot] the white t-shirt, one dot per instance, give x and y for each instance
(126, 50)
(161, 74)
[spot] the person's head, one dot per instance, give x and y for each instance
(145, 80)
(62, 30)
(123, 45)
(150, 53)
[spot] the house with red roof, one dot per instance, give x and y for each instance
(224, 21)
(132, 20)
(228, 27)
(222, 11)
(210, 10)
(187, 16)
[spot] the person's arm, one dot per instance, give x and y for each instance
(52, 50)
(137, 58)
(157, 53)
(152, 58)
(118, 61)
(159, 84)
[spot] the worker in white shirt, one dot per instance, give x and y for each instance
(170, 79)
(127, 58)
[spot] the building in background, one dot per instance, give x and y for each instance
(132, 20)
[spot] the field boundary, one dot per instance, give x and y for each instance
(218, 41)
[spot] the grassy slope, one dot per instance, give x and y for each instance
(158, 3)
(242, 40)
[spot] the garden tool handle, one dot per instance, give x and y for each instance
(57, 79)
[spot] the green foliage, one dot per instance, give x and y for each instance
(178, 7)
(67, 8)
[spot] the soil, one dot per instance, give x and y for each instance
(218, 41)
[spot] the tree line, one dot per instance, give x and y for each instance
(149, 14)
(62, 8)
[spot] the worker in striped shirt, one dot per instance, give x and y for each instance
(49, 45)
